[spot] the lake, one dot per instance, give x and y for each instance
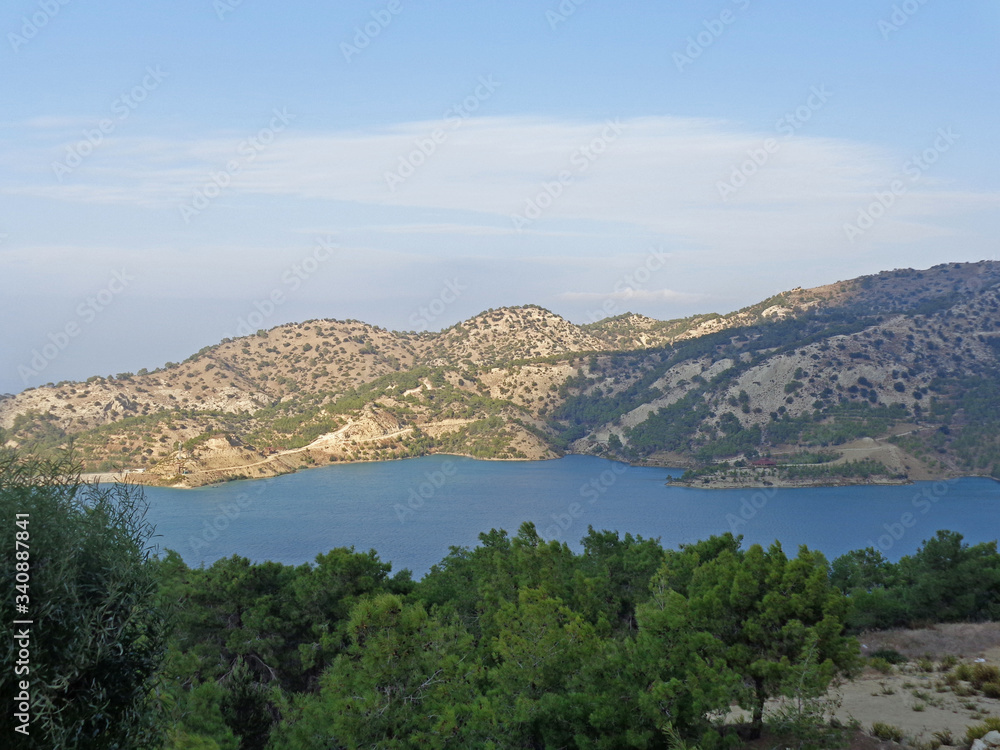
(412, 511)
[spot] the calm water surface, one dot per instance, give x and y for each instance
(412, 511)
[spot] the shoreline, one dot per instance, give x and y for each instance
(782, 484)
(143, 477)
(135, 476)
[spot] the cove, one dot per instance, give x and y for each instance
(412, 511)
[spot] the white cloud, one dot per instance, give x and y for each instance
(659, 177)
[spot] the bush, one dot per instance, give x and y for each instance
(948, 663)
(991, 690)
(978, 731)
(983, 674)
(944, 736)
(879, 664)
(888, 732)
(93, 593)
(890, 655)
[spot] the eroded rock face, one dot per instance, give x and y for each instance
(372, 423)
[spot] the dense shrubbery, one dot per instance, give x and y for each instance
(76, 557)
(520, 642)
(516, 643)
(860, 469)
(946, 580)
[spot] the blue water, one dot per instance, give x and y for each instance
(412, 511)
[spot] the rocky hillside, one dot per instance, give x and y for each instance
(884, 377)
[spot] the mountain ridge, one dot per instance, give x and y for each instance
(712, 392)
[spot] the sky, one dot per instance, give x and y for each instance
(173, 173)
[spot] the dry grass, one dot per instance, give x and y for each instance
(966, 640)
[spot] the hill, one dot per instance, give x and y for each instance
(883, 378)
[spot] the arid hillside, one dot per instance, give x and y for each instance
(787, 390)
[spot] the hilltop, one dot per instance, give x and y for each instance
(888, 377)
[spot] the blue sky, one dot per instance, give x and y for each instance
(169, 169)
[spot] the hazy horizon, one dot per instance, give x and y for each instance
(166, 169)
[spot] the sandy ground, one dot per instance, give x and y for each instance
(891, 698)
(117, 476)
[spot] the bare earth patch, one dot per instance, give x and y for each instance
(891, 699)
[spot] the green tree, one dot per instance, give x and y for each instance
(96, 638)
(193, 717)
(947, 580)
(541, 647)
(807, 716)
(621, 570)
(258, 631)
(869, 581)
(407, 680)
(861, 570)
(245, 706)
(765, 608)
(682, 670)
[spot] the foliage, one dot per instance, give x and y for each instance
(766, 609)
(862, 468)
(517, 642)
(890, 655)
(807, 713)
(978, 731)
(946, 580)
(97, 638)
(887, 732)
